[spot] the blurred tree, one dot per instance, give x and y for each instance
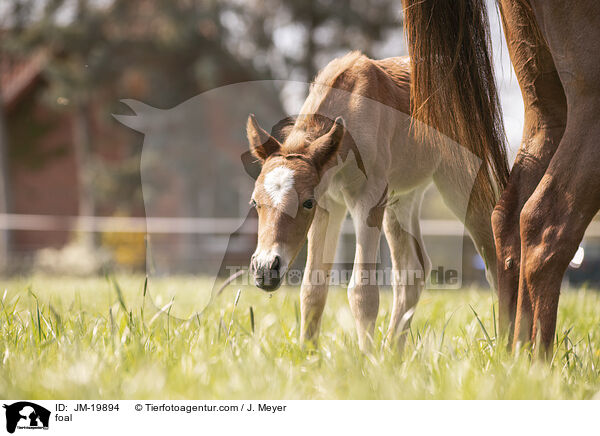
(294, 38)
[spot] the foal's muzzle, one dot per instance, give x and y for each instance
(267, 275)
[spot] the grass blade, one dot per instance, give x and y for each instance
(487, 336)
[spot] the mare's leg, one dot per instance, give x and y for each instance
(322, 242)
(554, 219)
(410, 264)
(545, 119)
(553, 222)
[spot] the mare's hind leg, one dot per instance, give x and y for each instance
(553, 222)
(410, 264)
(556, 215)
(545, 119)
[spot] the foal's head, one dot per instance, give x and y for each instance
(284, 197)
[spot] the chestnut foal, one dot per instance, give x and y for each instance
(367, 163)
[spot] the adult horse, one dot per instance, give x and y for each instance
(554, 187)
(316, 169)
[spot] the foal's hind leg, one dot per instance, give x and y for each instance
(451, 181)
(410, 264)
(545, 119)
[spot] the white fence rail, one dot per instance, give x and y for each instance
(208, 226)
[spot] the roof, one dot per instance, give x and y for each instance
(17, 74)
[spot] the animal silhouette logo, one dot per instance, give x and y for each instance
(190, 171)
(26, 415)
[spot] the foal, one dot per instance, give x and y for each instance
(367, 163)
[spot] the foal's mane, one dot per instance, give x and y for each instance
(316, 125)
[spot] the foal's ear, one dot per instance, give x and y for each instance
(262, 144)
(327, 145)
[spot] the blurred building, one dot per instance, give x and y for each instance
(43, 177)
(42, 174)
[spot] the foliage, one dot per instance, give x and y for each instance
(128, 248)
(293, 38)
(95, 338)
(75, 258)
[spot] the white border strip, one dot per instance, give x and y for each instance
(317, 417)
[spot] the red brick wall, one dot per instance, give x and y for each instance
(43, 169)
(43, 173)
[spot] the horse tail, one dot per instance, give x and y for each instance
(453, 89)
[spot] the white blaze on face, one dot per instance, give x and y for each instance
(278, 183)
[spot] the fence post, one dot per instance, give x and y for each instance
(4, 188)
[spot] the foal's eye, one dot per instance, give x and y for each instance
(253, 203)
(308, 204)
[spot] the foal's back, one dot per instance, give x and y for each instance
(386, 81)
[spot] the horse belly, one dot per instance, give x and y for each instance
(412, 165)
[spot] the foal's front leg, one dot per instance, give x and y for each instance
(363, 291)
(322, 242)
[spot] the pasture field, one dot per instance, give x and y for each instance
(74, 338)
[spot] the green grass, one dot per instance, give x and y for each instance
(75, 338)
